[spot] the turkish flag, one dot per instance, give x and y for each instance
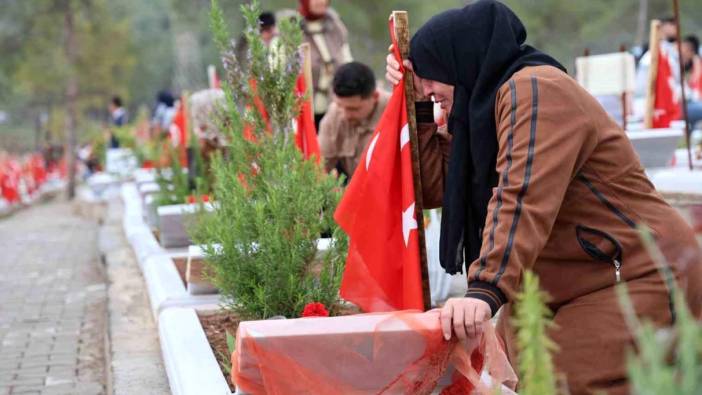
(179, 131)
(667, 107)
(377, 211)
(305, 131)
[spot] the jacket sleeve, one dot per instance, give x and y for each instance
(434, 150)
(327, 131)
(544, 136)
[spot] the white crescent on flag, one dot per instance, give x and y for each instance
(404, 136)
(371, 147)
(408, 223)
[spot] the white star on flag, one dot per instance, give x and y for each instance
(369, 154)
(404, 136)
(408, 223)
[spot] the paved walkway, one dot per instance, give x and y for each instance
(52, 303)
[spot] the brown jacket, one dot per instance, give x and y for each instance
(342, 143)
(571, 193)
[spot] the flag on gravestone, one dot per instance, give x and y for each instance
(667, 107)
(305, 131)
(377, 212)
(38, 169)
(9, 181)
(179, 131)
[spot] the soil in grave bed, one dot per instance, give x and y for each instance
(217, 324)
(181, 265)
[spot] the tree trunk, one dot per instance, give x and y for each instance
(71, 96)
(642, 23)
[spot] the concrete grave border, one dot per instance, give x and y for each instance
(163, 282)
(190, 362)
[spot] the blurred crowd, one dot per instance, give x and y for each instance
(347, 99)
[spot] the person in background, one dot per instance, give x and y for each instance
(693, 76)
(117, 111)
(669, 29)
(163, 113)
(669, 34)
(118, 117)
(328, 39)
(204, 114)
(267, 27)
(268, 31)
(351, 118)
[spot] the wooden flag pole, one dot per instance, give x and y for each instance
(624, 99)
(307, 71)
(676, 10)
(403, 37)
(653, 50)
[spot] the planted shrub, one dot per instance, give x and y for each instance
(272, 205)
(536, 371)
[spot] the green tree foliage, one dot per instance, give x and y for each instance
(36, 67)
(272, 205)
(536, 373)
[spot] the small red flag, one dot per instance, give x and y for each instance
(179, 131)
(377, 211)
(305, 130)
(667, 107)
(9, 181)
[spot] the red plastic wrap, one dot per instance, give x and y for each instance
(389, 353)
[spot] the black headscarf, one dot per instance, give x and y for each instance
(476, 49)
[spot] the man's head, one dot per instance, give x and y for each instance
(669, 29)
(354, 91)
(690, 49)
(115, 103)
(266, 23)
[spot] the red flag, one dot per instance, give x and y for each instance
(377, 212)
(258, 103)
(9, 181)
(305, 130)
(667, 107)
(179, 131)
(695, 80)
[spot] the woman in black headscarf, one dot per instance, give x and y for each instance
(539, 178)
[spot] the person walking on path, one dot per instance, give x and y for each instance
(537, 176)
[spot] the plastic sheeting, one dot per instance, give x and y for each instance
(389, 353)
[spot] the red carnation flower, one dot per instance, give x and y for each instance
(315, 309)
(191, 199)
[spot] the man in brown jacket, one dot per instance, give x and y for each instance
(536, 176)
(350, 121)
